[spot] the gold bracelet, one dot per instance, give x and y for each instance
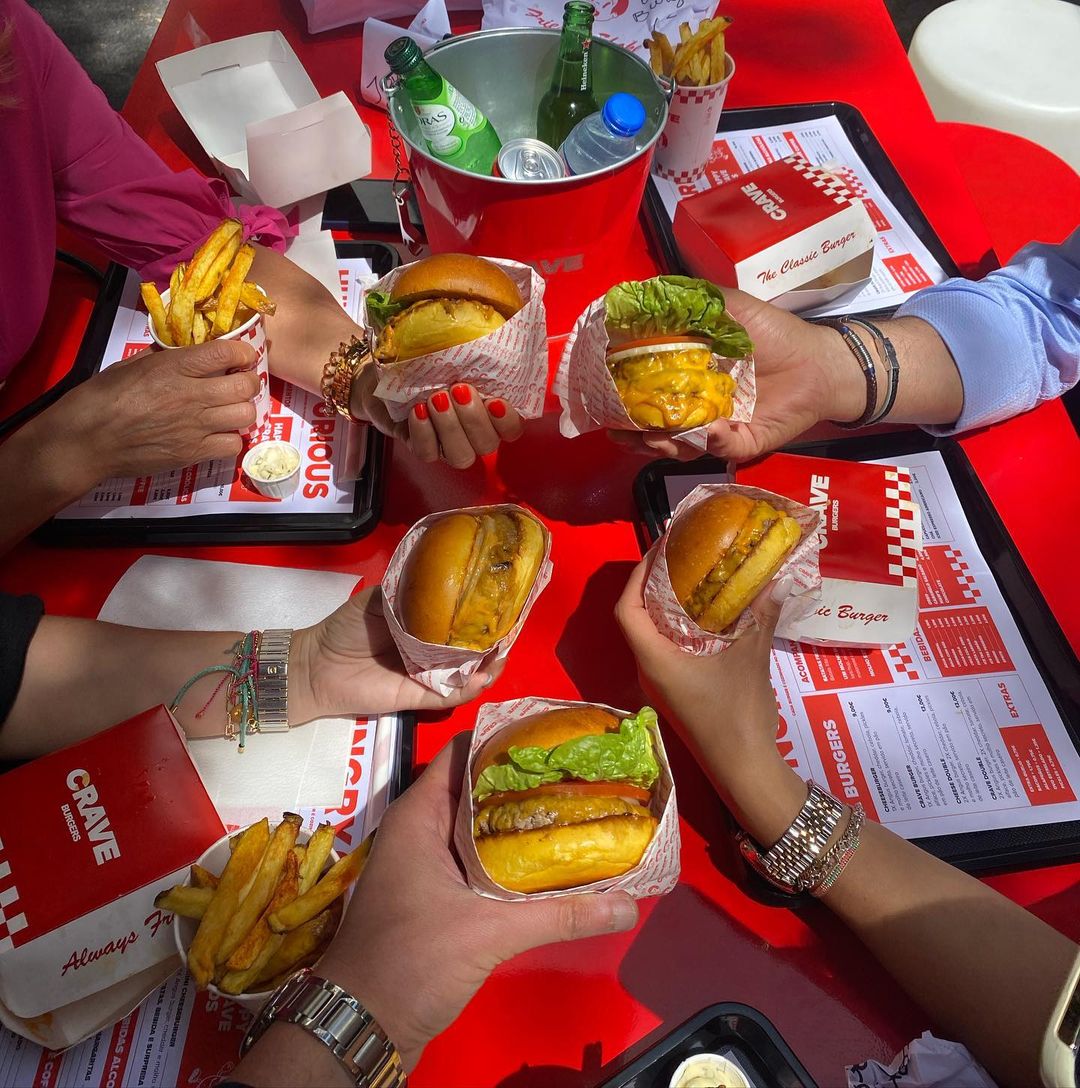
(340, 373)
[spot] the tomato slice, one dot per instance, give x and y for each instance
(571, 789)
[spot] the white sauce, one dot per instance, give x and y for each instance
(273, 461)
(709, 1071)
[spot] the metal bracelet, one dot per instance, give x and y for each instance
(866, 364)
(340, 372)
(272, 681)
(889, 360)
(836, 861)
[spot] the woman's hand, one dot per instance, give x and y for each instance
(159, 410)
(416, 942)
(349, 664)
(805, 374)
(456, 424)
(723, 705)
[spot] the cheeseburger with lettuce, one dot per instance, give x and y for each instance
(565, 798)
(666, 339)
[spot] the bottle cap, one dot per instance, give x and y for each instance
(623, 114)
(402, 53)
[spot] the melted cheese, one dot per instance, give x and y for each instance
(673, 389)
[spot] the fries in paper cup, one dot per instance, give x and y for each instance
(261, 904)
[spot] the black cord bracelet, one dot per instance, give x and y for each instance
(866, 363)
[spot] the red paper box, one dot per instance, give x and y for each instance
(90, 835)
(871, 540)
(787, 232)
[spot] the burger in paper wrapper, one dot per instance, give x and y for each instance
(724, 543)
(660, 354)
(567, 796)
(458, 588)
(458, 318)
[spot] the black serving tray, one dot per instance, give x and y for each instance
(734, 1031)
(978, 851)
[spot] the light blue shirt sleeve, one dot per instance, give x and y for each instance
(1015, 335)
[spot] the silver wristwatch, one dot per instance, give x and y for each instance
(791, 864)
(272, 681)
(339, 1022)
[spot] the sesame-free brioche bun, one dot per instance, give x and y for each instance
(467, 579)
(565, 834)
(458, 275)
(722, 552)
(445, 300)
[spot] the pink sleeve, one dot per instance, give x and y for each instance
(110, 186)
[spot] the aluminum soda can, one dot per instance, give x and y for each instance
(529, 160)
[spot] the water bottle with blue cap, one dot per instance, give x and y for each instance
(606, 138)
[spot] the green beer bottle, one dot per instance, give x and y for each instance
(454, 130)
(570, 97)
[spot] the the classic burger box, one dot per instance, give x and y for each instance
(871, 540)
(789, 233)
(88, 836)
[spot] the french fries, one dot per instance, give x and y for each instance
(268, 873)
(209, 296)
(699, 59)
(187, 902)
(245, 860)
(322, 894)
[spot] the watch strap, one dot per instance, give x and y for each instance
(272, 681)
(340, 1022)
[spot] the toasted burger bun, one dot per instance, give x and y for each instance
(451, 298)
(563, 835)
(467, 579)
(721, 553)
(671, 384)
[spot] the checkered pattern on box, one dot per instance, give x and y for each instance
(12, 920)
(963, 574)
(900, 528)
(902, 663)
(343, 285)
(851, 180)
(828, 183)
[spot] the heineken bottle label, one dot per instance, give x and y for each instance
(448, 121)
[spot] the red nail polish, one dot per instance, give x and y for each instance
(420, 411)
(440, 402)
(461, 393)
(497, 408)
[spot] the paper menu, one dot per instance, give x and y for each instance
(902, 263)
(326, 441)
(953, 730)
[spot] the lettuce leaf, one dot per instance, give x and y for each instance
(625, 756)
(381, 308)
(675, 304)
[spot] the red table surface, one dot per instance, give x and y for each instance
(556, 1016)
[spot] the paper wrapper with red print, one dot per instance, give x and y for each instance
(511, 363)
(590, 401)
(683, 149)
(443, 669)
(671, 619)
(657, 872)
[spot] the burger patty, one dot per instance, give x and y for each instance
(760, 520)
(490, 587)
(551, 812)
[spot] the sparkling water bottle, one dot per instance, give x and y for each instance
(606, 138)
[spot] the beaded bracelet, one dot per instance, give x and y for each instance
(241, 706)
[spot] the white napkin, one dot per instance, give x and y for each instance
(305, 766)
(926, 1062)
(425, 30)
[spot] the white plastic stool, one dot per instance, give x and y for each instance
(1012, 65)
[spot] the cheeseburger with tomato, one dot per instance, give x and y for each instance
(438, 303)
(667, 338)
(565, 798)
